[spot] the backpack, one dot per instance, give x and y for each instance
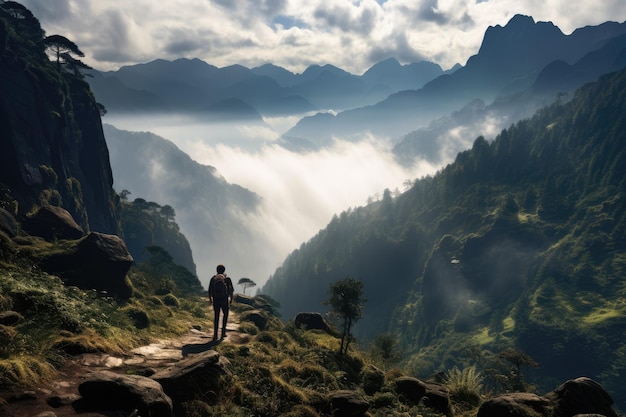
(220, 287)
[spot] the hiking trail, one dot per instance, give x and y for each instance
(54, 399)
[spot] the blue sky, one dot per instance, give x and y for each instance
(351, 34)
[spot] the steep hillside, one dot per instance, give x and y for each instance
(52, 150)
(518, 240)
(211, 212)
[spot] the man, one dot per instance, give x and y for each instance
(221, 296)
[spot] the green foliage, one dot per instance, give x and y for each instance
(347, 302)
(246, 283)
(465, 387)
(520, 239)
(148, 225)
(385, 347)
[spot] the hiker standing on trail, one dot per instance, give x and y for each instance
(220, 295)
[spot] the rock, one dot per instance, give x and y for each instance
(51, 222)
(518, 404)
(10, 318)
(8, 224)
(244, 299)
(57, 401)
(255, 316)
(312, 321)
(194, 376)
(410, 388)
(581, 396)
(97, 262)
(106, 390)
(346, 403)
(437, 397)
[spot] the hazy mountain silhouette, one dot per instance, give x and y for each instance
(193, 86)
(508, 62)
(557, 79)
(208, 208)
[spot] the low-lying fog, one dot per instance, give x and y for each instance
(301, 191)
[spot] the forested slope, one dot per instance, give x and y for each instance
(519, 240)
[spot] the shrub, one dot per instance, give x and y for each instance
(465, 386)
(171, 300)
(138, 316)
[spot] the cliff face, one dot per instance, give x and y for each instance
(52, 148)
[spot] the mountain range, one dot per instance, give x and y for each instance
(519, 242)
(509, 62)
(193, 86)
(211, 212)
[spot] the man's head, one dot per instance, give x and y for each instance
(220, 269)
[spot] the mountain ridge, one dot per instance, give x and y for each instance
(484, 77)
(495, 249)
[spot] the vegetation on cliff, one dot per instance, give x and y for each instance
(520, 239)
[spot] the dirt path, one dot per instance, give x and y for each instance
(56, 398)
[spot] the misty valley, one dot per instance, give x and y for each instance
(472, 221)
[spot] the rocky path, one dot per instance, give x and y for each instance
(55, 399)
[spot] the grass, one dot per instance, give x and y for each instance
(283, 370)
(466, 387)
(602, 314)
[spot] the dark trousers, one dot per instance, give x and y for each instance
(220, 306)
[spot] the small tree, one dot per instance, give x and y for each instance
(518, 359)
(347, 301)
(246, 283)
(62, 48)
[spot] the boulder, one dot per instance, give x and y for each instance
(97, 262)
(437, 397)
(106, 390)
(410, 388)
(8, 224)
(194, 376)
(257, 317)
(244, 299)
(581, 396)
(434, 396)
(518, 404)
(312, 321)
(345, 403)
(51, 223)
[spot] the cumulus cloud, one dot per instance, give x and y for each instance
(294, 33)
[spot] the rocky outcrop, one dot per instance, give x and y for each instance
(581, 396)
(312, 321)
(574, 397)
(98, 261)
(434, 396)
(51, 223)
(517, 404)
(161, 394)
(257, 317)
(194, 376)
(345, 403)
(53, 148)
(106, 390)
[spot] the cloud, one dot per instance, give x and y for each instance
(294, 33)
(300, 192)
